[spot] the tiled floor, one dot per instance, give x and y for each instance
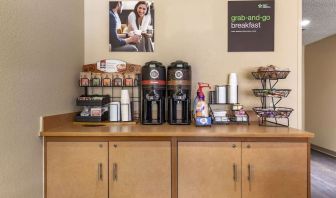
(323, 175)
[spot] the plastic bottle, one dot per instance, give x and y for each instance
(200, 106)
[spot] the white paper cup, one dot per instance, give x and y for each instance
(125, 99)
(233, 79)
(125, 112)
(233, 94)
(114, 111)
(125, 106)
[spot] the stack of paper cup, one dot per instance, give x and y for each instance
(115, 111)
(233, 88)
(125, 106)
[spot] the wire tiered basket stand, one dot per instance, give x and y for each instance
(269, 113)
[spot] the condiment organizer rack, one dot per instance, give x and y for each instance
(92, 101)
(111, 92)
(231, 117)
(271, 115)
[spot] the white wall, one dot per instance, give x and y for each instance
(41, 53)
(320, 94)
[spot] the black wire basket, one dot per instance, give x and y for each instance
(278, 112)
(276, 93)
(272, 75)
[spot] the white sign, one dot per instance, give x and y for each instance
(111, 66)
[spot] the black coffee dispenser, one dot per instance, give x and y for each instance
(153, 93)
(179, 93)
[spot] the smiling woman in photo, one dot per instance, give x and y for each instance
(139, 23)
(140, 18)
(131, 26)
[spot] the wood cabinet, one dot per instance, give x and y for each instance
(77, 169)
(274, 170)
(209, 169)
(140, 169)
(263, 170)
(143, 168)
(167, 161)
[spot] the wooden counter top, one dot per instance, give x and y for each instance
(62, 126)
(253, 130)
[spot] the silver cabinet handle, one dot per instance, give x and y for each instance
(115, 172)
(249, 176)
(235, 172)
(100, 172)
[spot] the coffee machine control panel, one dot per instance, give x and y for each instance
(153, 97)
(179, 97)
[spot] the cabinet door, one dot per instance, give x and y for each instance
(209, 169)
(140, 169)
(274, 170)
(77, 169)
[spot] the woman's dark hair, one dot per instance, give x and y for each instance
(113, 4)
(137, 5)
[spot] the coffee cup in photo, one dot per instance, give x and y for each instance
(137, 32)
(131, 33)
(150, 30)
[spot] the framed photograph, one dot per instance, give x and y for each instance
(131, 26)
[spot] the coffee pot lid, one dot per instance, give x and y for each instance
(179, 64)
(153, 64)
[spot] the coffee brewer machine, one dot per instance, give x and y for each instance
(179, 93)
(153, 93)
